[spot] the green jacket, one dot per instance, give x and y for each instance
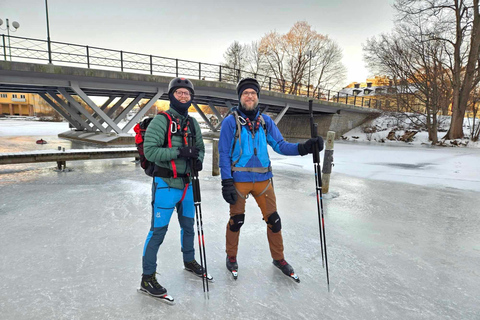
(155, 152)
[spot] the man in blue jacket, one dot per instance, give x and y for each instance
(246, 169)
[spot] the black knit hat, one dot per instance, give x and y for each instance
(247, 83)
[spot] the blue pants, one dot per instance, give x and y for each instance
(164, 200)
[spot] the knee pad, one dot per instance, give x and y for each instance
(274, 222)
(236, 222)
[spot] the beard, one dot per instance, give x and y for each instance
(252, 105)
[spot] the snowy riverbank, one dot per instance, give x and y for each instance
(414, 163)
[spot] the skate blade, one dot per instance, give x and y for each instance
(234, 274)
(209, 277)
(294, 277)
(165, 298)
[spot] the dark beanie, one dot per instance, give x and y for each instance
(248, 85)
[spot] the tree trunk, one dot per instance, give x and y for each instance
(456, 126)
(462, 89)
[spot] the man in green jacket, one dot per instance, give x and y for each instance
(167, 145)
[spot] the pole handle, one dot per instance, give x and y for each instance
(313, 133)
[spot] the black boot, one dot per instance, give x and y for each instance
(284, 266)
(196, 269)
(232, 264)
(151, 286)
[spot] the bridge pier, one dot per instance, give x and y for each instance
(298, 126)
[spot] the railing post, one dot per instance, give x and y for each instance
(328, 96)
(199, 71)
(4, 48)
(88, 57)
(363, 98)
(270, 83)
(151, 64)
(220, 74)
(49, 51)
(354, 100)
(346, 98)
(121, 60)
(176, 67)
(338, 97)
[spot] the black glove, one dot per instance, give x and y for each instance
(188, 152)
(228, 191)
(198, 165)
(307, 147)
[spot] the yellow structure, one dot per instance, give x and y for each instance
(23, 104)
(377, 81)
(18, 104)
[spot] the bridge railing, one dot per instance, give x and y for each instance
(60, 53)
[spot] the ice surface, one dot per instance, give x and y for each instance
(402, 229)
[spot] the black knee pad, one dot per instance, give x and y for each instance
(236, 222)
(274, 222)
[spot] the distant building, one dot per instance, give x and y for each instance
(379, 85)
(23, 104)
(378, 92)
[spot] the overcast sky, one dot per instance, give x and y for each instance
(200, 30)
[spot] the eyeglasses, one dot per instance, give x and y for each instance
(182, 93)
(249, 93)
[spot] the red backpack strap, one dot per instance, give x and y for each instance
(138, 135)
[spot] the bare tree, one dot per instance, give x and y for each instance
(235, 60)
(458, 29)
(255, 59)
(413, 60)
(300, 53)
(291, 60)
(328, 70)
(272, 48)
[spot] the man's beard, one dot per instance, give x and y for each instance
(255, 104)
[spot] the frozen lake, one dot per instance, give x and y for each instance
(402, 228)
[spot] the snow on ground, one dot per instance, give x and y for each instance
(387, 122)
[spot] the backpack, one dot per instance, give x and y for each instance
(140, 129)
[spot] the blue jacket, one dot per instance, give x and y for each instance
(254, 149)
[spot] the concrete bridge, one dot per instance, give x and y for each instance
(101, 123)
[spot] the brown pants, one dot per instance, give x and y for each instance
(265, 197)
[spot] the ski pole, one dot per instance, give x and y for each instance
(198, 214)
(318, 190)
